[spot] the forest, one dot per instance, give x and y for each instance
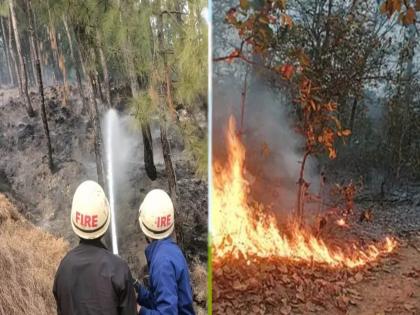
(103, 47)
(361, 56)
(63, 65)
(319, 106)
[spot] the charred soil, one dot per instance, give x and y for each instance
(45, 197)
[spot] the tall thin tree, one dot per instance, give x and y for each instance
(37, 63)
(75, 62)
(166, 148)
(6, 52)
(104, 69)
(23, 73)
(87, 54)
(13, 58)
(135, 90)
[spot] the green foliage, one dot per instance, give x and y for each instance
(4, 9)
(142, 106)
(191, 58)
(196, 145)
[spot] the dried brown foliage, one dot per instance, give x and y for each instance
(275, 286)
(406, 11)
(29, 258)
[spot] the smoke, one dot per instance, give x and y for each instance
(119, 144)
(125, 144)
(273, 148)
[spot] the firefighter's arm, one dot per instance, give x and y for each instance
(165, 290)
(127, 296)
(56, 294)
(144, 298)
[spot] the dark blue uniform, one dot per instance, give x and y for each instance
(170, 289)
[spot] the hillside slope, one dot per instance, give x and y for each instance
(29, 258)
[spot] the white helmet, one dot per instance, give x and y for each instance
(90, 215)
(156, 214)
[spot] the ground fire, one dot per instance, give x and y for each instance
(244, 231)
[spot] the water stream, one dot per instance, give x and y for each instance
(111, 133)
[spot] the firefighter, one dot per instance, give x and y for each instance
(90, 279)
(169, 289)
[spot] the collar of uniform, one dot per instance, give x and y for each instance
(95, 242)
(152, 247)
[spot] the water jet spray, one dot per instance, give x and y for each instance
(111, 125)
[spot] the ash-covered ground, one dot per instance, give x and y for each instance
(46, 197)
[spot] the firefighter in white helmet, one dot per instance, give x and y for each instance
(169, 290)
(90, 279)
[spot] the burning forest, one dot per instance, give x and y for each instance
(254, 253)
(112, 95)
(305, 216)
(247, 231)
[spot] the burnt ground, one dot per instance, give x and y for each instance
(45, 197)
(390, 285)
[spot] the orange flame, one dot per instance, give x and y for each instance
(244, 231)
(341, 222)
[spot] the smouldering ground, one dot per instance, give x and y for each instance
(45, 198)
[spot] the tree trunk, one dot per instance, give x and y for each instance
(99, 87)
(96, 90)
(149, 163)
(62, 65)
(6, 52)
(75, 63)
(353, 114)
(302, 188)
(168, 78)
(243, 101)
(135, 89)
(12, 55)
(29, 108)
(34, 40)
(169, 102)
(33, 57)
(166, 149)
(54, 47)
(88, 55)
(97, 131)
(105, 70)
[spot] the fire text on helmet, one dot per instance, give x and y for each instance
(87, 220)
(164, 221)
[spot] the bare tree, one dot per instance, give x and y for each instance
(6, 52)
(75, 62)
(166, 149)
(23, 74)
(37, 63)
(33, 54)
(87, 54)
(104, 69)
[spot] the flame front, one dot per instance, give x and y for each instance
(341, 222)
(241, 230)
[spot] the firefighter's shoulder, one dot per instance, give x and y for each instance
(116, 261)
